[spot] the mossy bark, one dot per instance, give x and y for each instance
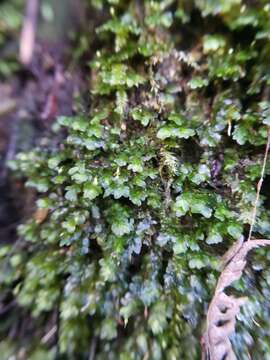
(144, 191)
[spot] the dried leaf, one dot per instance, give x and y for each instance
(223, 309)
(41, 215)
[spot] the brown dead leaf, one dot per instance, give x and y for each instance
(223, 309)
(41, 215)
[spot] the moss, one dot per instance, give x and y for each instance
(153, 184)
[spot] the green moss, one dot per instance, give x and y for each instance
(10, 25)
(149, 188)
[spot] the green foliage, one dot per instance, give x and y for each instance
(10, 25)
(152, 185)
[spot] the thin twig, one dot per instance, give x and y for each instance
(28, 35)
(7, 106)
(7, 307)
(93, 347)
(49, 335)
(259, 186)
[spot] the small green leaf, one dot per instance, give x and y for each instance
(72, 193)
(170, 131)
(121, 102)
(108, 269)
(122, 226)
(198, 83)
(240, 134)
(235, 230)
(129, 309)
(142, 115)
(213, 43)
(158, 318)
(214, 238)
(201, 208)
(136, 165)
(108, 329)
(197, 262)
(69, 225)
(91, 191)
(181, 206)
(180, 247)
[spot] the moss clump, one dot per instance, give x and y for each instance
(152, 185)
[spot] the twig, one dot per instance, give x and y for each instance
(93, 347)
(11, 150)
(58, 325)
(49, 335)
(28, 35)
(259, 186)
(7, 307)
(7, 106)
